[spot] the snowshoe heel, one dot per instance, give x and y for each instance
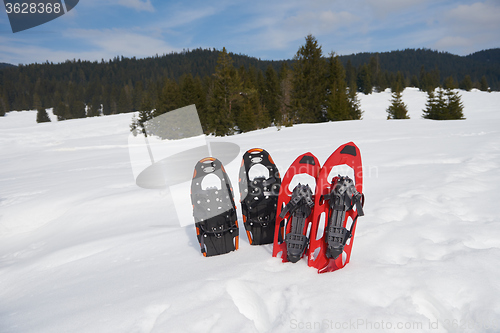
(343, 198)
(295, 246)
(299, 207)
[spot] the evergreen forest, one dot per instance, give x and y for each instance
(237, 93)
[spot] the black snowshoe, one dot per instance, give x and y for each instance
(214, 210)
(259, 197)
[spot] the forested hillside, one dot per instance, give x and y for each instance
(235, 92)
(412, 63)
(3, 65)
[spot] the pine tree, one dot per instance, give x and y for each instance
(374, 69)
(397, 109)
(271, 95)
(42, 116)
(309, 83)
(338, 105)
(450, 83)
(59, 110)
(443, 106)
(139, 123)
(414, 81)
(430, 106)
(77, 109)
(106, 102)
(251, 104)
(246, 119)
(284, 117)
(429, 81)
(355, 109)
(466, 83)
(125, 101)
(454, 105)
(260, 87)
(224, 95)
(37, 103)
(3, 106)
(191, 91)
(483, 84)
(138, 92)
(350, 73)
(169, 99)
(397, 82)
(364, 80)
(94, 108)
(440, 107)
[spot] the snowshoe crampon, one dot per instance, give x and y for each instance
(294, 214)
(338, 204)
(259, 196)
(214, 210)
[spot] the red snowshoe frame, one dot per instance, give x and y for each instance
(350, 155)
(304, 164)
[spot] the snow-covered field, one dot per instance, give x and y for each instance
(84, 249)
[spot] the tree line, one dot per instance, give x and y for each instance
(234, 100)
(232, 92)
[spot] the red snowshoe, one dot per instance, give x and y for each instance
(294, 214)
(339, 204)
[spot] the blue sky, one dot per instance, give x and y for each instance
(266, 29)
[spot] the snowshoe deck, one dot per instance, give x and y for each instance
(214, 210)
(294, 214)
(340, 202)
(259, 197)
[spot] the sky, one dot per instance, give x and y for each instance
(267, 29)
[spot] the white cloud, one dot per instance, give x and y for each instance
(474, 17)
(451, 42)
(383, 8)
(186, 16)
(267, 29)
(94, 46)
(139, 5)
(466, 28)
(271, 26)
(124, 42)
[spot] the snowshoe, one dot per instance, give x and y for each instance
(214, 210)
(294, 214)
(259, 197)
(339, 203)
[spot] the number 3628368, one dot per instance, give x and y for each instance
(33, 8)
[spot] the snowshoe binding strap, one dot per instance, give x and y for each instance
(342, 198)
(259, 207)
(299, 207)
(216, 234)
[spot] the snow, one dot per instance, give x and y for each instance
(84, 249)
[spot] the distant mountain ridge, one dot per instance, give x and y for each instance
(4, 65)
(25, 86)
(410, 61)
(202, 62)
